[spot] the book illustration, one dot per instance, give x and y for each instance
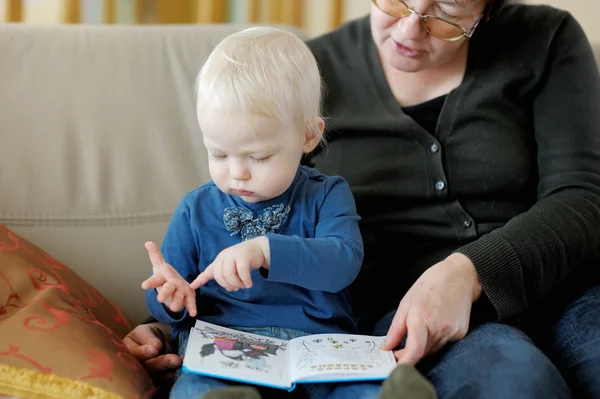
(341, 367)
(239, 349)
(338, 353)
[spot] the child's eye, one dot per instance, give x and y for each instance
(218, 157)
(261, 159)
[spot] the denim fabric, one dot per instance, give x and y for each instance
(189, 385)
(573, 343)
(498, 360)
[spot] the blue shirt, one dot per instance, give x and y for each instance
(315, 255)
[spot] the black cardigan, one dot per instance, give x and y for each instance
(511, 177)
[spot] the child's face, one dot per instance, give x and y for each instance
(253, 156)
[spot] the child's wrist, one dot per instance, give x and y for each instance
(263, 243)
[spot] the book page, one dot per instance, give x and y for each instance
(222, 352)
(339, 357)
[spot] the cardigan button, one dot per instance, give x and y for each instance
(440, 185)
(434, 148)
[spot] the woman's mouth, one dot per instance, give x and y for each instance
(405, 50)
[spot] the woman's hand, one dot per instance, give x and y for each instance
(232, 266)
(150, 344)
(436, 309)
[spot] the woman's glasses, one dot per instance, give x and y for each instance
(435, 26)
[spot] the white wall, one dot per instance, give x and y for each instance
(317, 14)
(587, 12)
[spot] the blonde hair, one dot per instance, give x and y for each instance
(264, 71)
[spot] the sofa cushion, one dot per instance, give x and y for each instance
(60, 337)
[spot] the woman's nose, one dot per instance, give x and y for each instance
(410, 28)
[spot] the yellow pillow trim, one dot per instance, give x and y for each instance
(30, 384)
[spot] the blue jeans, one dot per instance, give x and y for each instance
(498, 360)
(189, 385)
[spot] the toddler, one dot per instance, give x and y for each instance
(267, 246)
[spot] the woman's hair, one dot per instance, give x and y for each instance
(493, 6)
(264, 71)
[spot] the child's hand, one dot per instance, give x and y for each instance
(173, 291)
(231, 268)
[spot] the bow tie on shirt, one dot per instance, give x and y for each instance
(248, 225)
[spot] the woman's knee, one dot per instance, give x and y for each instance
(574, 343)
(495, 361)
(576, 333)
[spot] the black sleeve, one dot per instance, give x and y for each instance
(529, 256)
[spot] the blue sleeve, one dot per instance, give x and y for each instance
(180, 251)
(330, 261)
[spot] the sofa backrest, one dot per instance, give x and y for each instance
(99, 141)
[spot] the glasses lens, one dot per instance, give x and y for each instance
(442, 29)
(395, 8)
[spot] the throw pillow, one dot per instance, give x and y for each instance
(60, 337)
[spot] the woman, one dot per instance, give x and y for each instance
(469, 135)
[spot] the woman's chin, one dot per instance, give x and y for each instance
(405, 64)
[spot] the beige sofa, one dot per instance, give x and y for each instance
(98, 142)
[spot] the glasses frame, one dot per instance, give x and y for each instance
(424, 18)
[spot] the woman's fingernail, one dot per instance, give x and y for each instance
(151, 351)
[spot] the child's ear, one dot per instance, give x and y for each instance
(312, 137)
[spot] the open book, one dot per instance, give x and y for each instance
(221, 352)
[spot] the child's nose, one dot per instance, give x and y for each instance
(239, 171)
